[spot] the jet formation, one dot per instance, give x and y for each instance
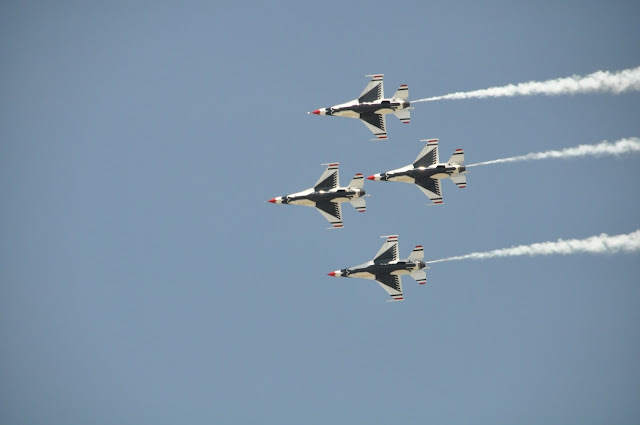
(371, 106)
(327, 195)
(426, 171)
(386, 269)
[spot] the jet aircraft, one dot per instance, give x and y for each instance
(427, 171)
(327, 196)
(387, 270)
(371, 107)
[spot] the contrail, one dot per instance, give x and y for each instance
(602, 244)
(598, 82)
(622, 146)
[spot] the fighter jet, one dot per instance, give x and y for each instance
(327, 196)
(371, 107)
(427, 171)
(387, 270)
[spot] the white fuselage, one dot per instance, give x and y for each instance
(310, 197)
(409, 174)
(354, 108)
(370, 269)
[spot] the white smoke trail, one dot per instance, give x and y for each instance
(620, 147)
(598, 82)
(602, 244)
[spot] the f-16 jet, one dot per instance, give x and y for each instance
(387, 270)
(427, 171)
(327, 196)
(371, 107)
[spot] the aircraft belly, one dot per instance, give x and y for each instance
(400, 272)
(403, 179)
(363, 275)
(439, 176)
(340, 199)
(385, 111)
(304, 202)
(347, 113)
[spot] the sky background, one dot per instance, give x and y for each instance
(145, 280)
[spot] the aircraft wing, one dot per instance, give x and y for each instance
(429, 155)
(392, 284)
(388, 252)
(374, 90)
(431, 188)
(332, 211)
(329, 179)
(376, 123)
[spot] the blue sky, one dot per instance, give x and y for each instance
(145, 280)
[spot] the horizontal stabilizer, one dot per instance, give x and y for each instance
(402, 93)
(460, 180)
(404, 115)
(457, 157)
(358, 181)
(359, 204)
(420, 276)
(417, 254)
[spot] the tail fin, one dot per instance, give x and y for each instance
(402, 93)
(357, 182)
(417, 254)
(359, 204)
(457, 157)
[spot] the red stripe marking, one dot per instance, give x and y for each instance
(418, 246)
(458, 150)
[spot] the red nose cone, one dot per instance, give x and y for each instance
(317, 112)
(273, 201)
(371, 178)
(331, 274)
